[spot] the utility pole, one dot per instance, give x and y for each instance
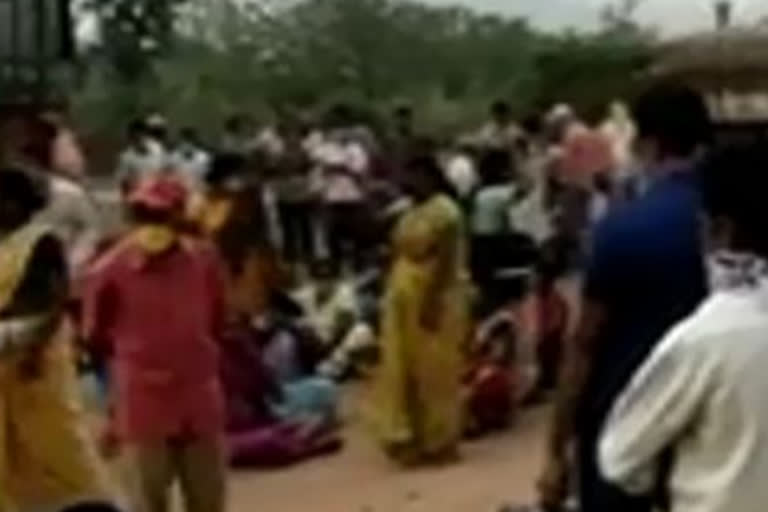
(723, 14)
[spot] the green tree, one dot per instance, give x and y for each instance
(209, 58)
(134, 32)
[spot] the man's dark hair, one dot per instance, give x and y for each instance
(675, 116)
(236, 123)
(188, 133)
(733, 184)
(427, 165)
(136, 127)
(533, 124)
(500, 109)
(21, 188)
(325, 268)
(224, 167)
(496, 166)
(340, 115)
(95, 506)
(403, 112)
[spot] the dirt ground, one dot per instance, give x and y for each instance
(496, 471)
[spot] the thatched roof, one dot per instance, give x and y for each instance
(735, 58)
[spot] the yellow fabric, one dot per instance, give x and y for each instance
(214, 214)
(155, 238)
(249, 292)
(15, 251)
(47, 457)
(417, 387)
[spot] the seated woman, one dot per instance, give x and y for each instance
(290, 354)
(278, 416)
(490, 384)
(269, 424)
(517, 321)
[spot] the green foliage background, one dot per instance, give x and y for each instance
(202, 60)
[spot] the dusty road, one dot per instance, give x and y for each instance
(495, 471)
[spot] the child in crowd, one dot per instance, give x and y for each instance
(503, 368)
(490, 384)
(279, 413)
(539, 322)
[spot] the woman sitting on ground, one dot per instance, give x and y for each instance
(278, 414)
(273, 404)
(491, 382)
(505, 341)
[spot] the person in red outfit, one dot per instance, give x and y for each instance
(154, 303)
(491, 382)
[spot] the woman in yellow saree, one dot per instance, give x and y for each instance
(48, 458)
(417, 403)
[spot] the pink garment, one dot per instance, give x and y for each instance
(281, 444)
(157, 317)
(344, 167)
(586, 152)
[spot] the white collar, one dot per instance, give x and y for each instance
(731, 270)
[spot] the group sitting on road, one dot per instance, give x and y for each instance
(252, 281)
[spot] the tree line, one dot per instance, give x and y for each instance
(201, 60)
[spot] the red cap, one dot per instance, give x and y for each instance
(162, 193)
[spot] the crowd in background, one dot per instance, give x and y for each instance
(251, 278)
(429, 267)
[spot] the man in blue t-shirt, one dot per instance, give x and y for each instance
(645, 273)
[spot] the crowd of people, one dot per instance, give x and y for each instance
(251, 279)
(374, 239)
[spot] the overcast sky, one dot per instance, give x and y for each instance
(673, 16)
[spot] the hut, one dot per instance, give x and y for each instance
(729, 66)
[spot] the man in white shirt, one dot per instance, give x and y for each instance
(701, 395)
(329, 303)
(142, 157)
(343, 167)
(460, 171)
(189, 159)
(239, 135)
(501, 132)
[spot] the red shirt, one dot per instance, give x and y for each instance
(158, 316)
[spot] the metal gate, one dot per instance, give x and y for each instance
(36, 37)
